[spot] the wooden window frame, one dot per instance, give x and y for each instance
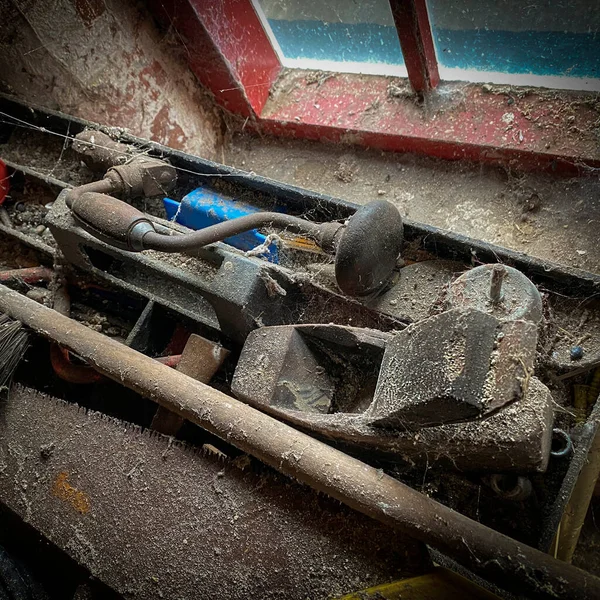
(231, 54)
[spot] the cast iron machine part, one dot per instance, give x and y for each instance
(366, 247)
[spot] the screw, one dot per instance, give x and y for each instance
(498, 275)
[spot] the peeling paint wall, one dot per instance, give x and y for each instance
(105, 60)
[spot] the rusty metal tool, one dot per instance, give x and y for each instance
(493, 556)
(200, 359)
(155, 518)
(366, 247)
(453, 378)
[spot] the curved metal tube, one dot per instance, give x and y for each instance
(215, 233)
(102, 186)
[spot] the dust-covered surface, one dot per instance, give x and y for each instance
(575, 322)
(50, 155)
(155, 520)
(14, 256)
(27, 206)
(438, 192)
(516, 438)
(587, 554)
(552, 218)
(109, 63)
(190, 264)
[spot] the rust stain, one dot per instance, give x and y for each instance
(65, 491)
(89, 10)
(167, 131)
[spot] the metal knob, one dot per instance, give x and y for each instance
(368, 248)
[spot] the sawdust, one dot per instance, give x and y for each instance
(54, 157)
(108, 323)
(346, 169)
(14, 255)
(27, 206)
(189, 264)
(573, 322)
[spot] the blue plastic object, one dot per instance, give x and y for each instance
(203, 207)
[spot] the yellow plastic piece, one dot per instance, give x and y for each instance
(594, 388)
(439, 584)
(581, 394)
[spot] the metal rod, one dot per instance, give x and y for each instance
(27, 275)
(225, 229)
(67, 370)
(509, 563)
(496, 279)
(102, 186)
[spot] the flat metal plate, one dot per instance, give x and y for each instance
(154, 519)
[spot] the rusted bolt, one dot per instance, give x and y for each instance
(498, 275)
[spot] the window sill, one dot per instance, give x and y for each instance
(530, 128)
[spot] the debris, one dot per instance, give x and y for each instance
(346, 169)
(455, 366)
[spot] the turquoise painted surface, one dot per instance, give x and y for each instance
(362, 42)
(536, 52)
(552, 53)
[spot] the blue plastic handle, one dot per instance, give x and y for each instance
(203, 207)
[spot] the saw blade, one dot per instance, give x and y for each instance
(153, 518)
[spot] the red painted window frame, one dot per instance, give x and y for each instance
(230, 53)
(414, 31)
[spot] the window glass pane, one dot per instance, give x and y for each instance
(341, 35)
(547, 42)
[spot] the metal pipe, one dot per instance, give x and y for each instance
(102, 186)
(225, 229)
(65, 369)
(509, 563)
(27, 275)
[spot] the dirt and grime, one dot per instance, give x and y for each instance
(230, 532)
(527, 206)
(550, 217)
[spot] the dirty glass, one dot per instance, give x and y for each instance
(511, 41)
(340, 35)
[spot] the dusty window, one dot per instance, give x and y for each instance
(548, 43)
(338, 35)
